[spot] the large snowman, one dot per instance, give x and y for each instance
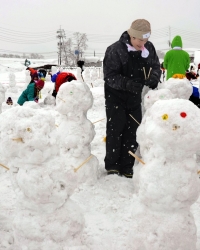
(45, 216)
(167, 184)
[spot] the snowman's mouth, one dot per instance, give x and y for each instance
(175, 126)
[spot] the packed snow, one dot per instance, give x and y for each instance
(54, 191)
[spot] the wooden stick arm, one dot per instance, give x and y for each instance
(136, 157)
(76, 169)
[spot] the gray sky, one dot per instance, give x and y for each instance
(102, 20)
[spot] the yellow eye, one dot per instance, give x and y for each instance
(165, 117)
(28, 129)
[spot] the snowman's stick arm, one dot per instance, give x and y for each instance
(76, 169)
(99, 120)
(4, 166)
(134, 119)
(136, 157)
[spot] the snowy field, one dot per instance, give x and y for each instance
(108, 203)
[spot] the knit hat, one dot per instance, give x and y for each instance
(40, 84)
(34, 75)
(140, 28)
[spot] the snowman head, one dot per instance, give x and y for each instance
(73, 98)
(174, 125)
(154, 95)
(180, 88)
(30, 136)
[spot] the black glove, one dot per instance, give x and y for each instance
(152, 81)
(54, 93)
(134, 86)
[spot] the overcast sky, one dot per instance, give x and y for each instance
(102, 20)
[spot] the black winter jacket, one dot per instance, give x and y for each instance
(121, 66)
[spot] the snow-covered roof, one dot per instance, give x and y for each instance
(91, 59)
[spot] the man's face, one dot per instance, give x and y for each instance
(137, 43)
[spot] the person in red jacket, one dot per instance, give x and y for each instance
(61, 78)
(198, 68)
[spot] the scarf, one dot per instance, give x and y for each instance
(145, 52)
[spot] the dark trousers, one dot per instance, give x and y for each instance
(121, 137)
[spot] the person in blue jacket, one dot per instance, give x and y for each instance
(31, 93)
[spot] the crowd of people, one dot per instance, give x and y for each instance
(32, 92)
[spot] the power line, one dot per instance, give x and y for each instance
(26, 41)
(28, 33)
(21, 37)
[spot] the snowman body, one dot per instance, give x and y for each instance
(45, 217)
(168, 184)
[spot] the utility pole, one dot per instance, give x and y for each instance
(60, 36)
(94, 52)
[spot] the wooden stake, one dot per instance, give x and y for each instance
(136, 157)
(145, 76)
(134, 119)
(98, 121)
(76, 169)
(17, 139)
(60, 98)
(4, 166)
(82, 77)
(149, 72)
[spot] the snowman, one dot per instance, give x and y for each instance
(2, 95)
(79, 74)
(179, 88)
(45, 216)
(154, 95)
(76, 131)
(12, 83)
(87, 78)
(94, 74)
(167, 183)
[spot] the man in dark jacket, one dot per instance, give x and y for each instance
(129, 64)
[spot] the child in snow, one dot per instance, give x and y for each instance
(176, 61)
(198, 68)
(32, 92)
(59, 78)
(9, 101)
(33, 74)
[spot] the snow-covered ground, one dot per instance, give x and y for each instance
(107, 206)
